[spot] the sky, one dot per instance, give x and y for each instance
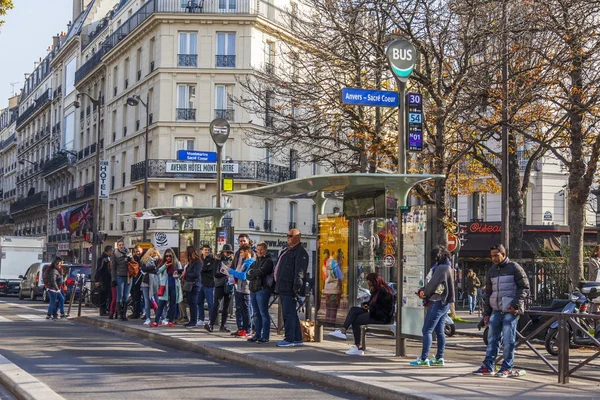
(25, 37)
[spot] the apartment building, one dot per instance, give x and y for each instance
(8, 164)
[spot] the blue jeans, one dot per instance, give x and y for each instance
(502, 327)
(262, 321)
(54, 296)
(435, 320)
(206, 293)
(242, 310)
(147, 307)
(472, 302)
(291, 322)
(123, 289)
(192, 299)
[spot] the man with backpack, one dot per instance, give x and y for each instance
(103, 279)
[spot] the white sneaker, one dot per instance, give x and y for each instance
(355, 351)
(164, 322)
(147, 322)
(338, 334)
(200, 323)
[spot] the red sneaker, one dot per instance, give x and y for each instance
(153, 325)
(170, 324)
(242, 333)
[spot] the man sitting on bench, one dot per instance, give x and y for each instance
(378, 310)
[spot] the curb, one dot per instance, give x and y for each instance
(268, 364)
(23, 385)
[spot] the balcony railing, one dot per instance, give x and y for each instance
(57, 162)
(37, 105)
(187, 60)
(267, 225)
(225, 61)
(39, 198)
(250, 170)
(186, 114)
(227, 114)
(226, 221)
(11, 139)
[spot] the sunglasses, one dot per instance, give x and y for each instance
(290, 236)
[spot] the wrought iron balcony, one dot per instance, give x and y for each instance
(37, 105)
(226, 221)
(249, 170)
(186, 114)
(227, 114)
(40, 198)
(267, 225)
(57, 162)
(225, 61)
(187, 60)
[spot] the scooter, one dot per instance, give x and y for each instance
(449, 327)
(578, 304)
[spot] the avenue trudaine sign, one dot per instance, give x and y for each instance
(402, 57)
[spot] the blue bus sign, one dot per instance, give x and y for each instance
(414, 102)
(364, 97)
(193, 155)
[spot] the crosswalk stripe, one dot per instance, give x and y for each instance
(2, 319)
(31, 317)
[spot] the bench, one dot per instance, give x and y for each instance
(389, 329)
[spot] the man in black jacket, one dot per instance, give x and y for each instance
(103, 279)
(207, 277)
(289, 275)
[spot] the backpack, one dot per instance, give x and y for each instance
(46, 274)
(133, 268)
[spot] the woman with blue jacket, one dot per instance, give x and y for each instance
(168, 277)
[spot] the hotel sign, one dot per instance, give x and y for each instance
(200, 168)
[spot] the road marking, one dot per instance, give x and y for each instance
(2, 319)
(22, 306)
(32, 317)
(24, 385)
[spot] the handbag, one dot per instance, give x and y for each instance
(308, 330)
(228, 290)
(161, 290)
(188, 286)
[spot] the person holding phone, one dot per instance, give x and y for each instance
(506, 287)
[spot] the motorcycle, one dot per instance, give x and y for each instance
(529, 323)
(578, 304)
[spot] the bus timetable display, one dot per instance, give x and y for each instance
(415, 121)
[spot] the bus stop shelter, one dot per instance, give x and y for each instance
(320, 188)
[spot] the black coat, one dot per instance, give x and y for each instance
(207, 275)
(258, 272)
(291, 272)
(103, 270)
(192, 273)
(382, 309)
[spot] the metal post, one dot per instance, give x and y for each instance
(401, 126)
(96, 210)
(81, 280)
(505, 180)
(563, 350)
(400, 341)
(145, 229)
(219, 176)
(279, 316)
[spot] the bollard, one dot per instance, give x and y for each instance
(563, 350)
(279, 317)
(80, 294)
(72, 298)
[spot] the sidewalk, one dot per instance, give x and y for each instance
(377, 375)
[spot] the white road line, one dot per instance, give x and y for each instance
(32, 317)
(2, 319)
(24, 307)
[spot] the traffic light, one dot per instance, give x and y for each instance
(88, 237)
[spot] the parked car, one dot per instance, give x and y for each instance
(32, 283)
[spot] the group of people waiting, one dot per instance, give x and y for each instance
(168, 288)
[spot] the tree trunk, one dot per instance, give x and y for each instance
(515, 202)
(577, 226)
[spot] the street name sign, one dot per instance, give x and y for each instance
(200, 168)
(365, 97)
(193, 155)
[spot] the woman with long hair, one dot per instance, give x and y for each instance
(192, 279)
(54, 279)
(169, 289)
(378, 310)
(439, 293)
(149, 263)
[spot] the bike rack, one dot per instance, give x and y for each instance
(564, 320)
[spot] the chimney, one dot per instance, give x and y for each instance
(77, 8)
(55, 41)
(68, 26)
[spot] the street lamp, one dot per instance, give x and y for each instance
(96, 210)
(23, 161)
(134, 101)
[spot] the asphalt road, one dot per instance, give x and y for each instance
(81, 362)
